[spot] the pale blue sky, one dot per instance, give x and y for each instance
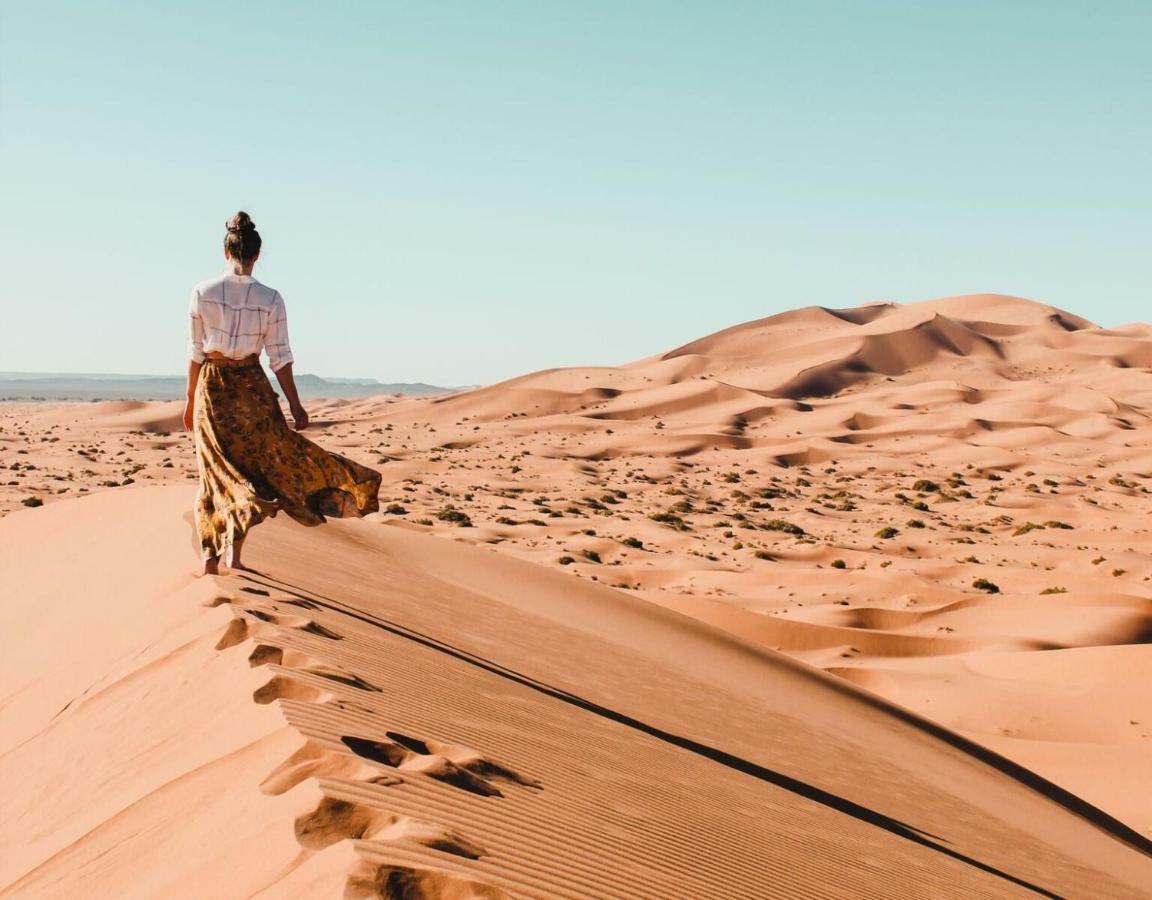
(458, 192)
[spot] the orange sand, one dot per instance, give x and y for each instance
(612, 676)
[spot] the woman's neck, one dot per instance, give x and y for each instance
(241, 268)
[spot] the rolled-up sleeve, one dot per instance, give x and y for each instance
(276, 340)
(195, 329)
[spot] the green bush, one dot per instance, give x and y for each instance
(668, 518)
(786, 527)
(1026, 527)
(452, 514)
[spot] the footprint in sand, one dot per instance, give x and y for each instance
(300, 623)
(334, 820)
(456, 765)
(369, 881)
(464, 757)
(388, 753)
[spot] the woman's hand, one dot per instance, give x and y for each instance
(189, 408)
(288, 385)
(299, 416)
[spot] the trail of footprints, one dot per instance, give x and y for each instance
(352, 785)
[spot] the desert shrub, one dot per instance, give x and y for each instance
(983, 584)
(887, 532)
(1055, 590)
(452, 514)
(839, 564)
(668, 518)
(786, 527)
(1026, 527)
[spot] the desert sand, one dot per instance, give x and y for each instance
(835, 603)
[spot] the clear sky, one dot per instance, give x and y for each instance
(458, 192)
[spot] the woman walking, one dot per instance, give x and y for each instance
(251, 464)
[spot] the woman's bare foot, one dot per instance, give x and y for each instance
(237, 546)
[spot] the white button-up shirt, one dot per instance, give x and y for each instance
(237, 316)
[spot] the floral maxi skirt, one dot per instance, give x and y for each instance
(252, 464)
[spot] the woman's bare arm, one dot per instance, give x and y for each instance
(193, 377)
(288, 385)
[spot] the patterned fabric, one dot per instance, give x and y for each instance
(236, 315)
(253, 464)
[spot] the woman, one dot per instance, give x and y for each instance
(251, 463)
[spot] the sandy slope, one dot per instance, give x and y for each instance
(393, 715)
(1007, 444)
(743, 480)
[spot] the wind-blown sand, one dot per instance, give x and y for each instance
(591, 702)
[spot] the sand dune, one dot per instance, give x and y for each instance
(376, 718)
(695, 577)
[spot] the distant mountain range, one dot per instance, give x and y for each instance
(86, 386)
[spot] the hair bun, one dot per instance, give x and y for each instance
(240, 222)
(242, 240)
